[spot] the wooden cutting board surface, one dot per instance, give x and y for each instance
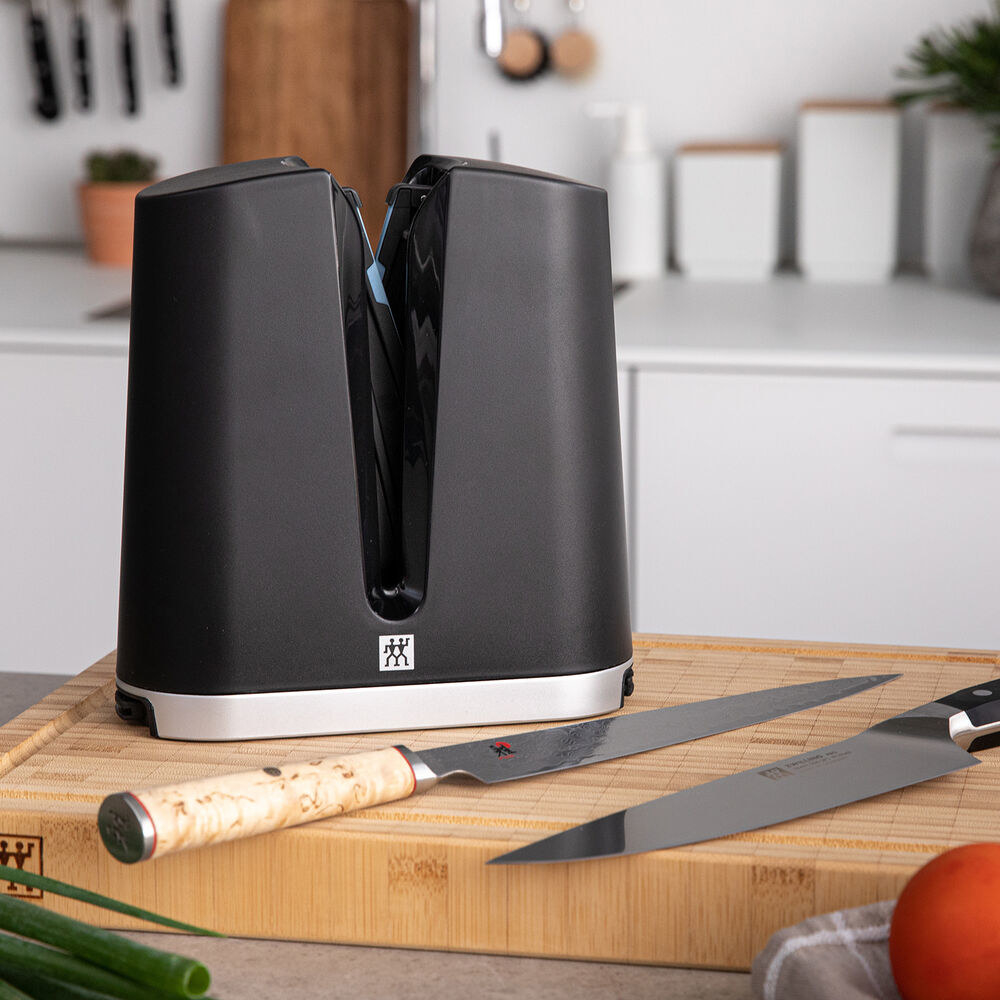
(413, 873)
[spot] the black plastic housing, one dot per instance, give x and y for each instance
(255, 548)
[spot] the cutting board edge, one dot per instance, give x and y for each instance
(823, 650)
(698, 907)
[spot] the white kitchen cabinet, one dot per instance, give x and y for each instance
(61, 453)
(810, 507)
(815, 464)
(62, 439)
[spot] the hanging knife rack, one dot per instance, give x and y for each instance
(45, 50)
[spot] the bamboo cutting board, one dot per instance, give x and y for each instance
(413, 873)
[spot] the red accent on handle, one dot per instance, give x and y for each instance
(413, 773)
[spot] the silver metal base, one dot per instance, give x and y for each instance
(383, 708)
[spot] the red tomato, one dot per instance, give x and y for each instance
(944, 943)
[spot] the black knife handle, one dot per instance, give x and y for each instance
(168, 25)
(981, 703)
(80, 52)
(127, 50)
(47, 103)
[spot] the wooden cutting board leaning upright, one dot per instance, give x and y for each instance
(326, 80)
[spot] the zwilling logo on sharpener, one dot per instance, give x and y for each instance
(395, 652)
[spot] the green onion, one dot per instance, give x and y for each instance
(11, 992)
(38, 987)
(36, 958)
(172, 973)
(95, 898)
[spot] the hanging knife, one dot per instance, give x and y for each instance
(139, 825)
(80, 54)
(47, 101)
(171, 51)
(916, 746)
(126, 55)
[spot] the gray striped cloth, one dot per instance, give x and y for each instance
(835, 956)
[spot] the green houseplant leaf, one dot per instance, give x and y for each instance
(959, 66)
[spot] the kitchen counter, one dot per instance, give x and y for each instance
(788, 324)
(275, 969)
(47, 296)
(909, 326)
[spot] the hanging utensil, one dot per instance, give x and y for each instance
(574, 52)
(79, 51)
(492, 24)
(168, 38)
(47, 104)
(126, 56)
(525, 51)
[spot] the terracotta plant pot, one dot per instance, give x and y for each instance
(108, 213)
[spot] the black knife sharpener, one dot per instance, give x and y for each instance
(371, 492)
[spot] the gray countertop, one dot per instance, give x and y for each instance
(244, 968)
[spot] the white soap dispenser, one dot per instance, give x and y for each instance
(637, 196)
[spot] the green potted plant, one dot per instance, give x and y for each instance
(960, 67)
(107, 203)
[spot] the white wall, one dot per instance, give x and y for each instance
(706, 69)
(41, 162)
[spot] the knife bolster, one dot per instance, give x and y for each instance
(423, 776)
(216, 809)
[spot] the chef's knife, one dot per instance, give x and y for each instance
(916, 746)
(139, 825)
(168, 34)
(80, 53)
(47, 101)
(126, 55)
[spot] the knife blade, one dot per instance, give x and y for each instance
(126, 56)
(80, 53)
(918, 745)
(47, 103)
(136, 826)
(171, 47)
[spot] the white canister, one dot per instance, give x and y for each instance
(726, 206)
(958, 161)
(848, 190)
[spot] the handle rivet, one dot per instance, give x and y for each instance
(982, 692)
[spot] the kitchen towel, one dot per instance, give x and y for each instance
(835, 956)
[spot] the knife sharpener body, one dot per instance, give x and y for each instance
(338, 523)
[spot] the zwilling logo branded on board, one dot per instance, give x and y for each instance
(24, 854)
(395, 652)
